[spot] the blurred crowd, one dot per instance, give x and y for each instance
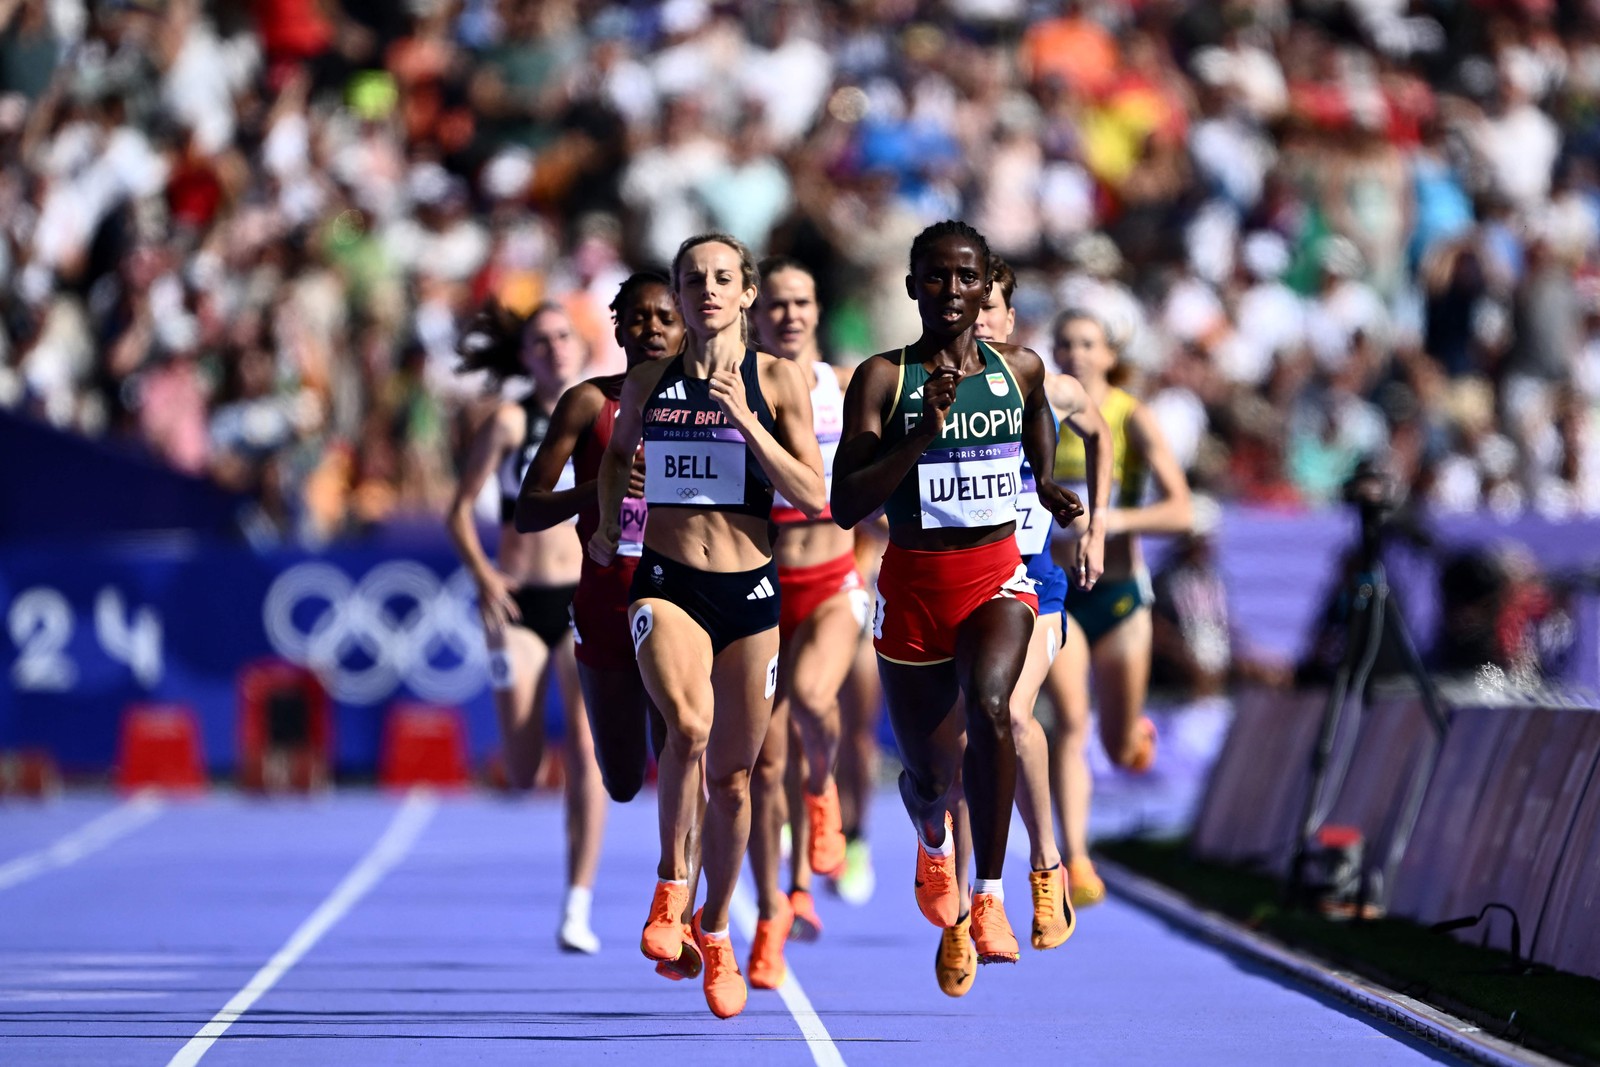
(246, 234)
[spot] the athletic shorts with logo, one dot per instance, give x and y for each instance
(923, 597)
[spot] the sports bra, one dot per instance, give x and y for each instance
(693, 456)
(514, 467)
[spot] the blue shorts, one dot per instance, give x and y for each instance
(1052, 585)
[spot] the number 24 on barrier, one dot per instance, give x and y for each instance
(40, 622)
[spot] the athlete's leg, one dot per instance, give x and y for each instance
(519, 700)
(769, 810)
(794, 791)
(1033, 750)
(585, 794)
(744, 686)
(1121, 682)
(617, 707)
(991, 647)
(922, 701)
(860, 703)
(1068, 686)
(824, 648)
(961, 823)
(675, 663)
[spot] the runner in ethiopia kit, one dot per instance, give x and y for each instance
(723, 427)
(954, 963)
(822, 607)
(648, 327)
(935, 435)
(524, 595)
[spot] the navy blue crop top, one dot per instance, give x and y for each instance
(693, 456)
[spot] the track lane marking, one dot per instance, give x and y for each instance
(824, 1053)
(86, 840)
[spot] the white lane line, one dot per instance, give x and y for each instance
(823, 1051)
(391, 848)
(89, 838)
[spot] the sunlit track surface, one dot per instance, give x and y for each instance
(450, 956)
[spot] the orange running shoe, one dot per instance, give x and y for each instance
(827, 835)
(956, 964)
(663, 934)
(724, 985)
(992, 931)
(688, 963)
(1053, 921)
(1145, 755)
(766, 949)
(938, 896)
(807, 926)
(1083, 883)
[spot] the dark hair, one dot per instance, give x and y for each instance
(952, 228)
(780, 263)
(629, 289)
(1003, 278)
(493, 342)
(748, 277)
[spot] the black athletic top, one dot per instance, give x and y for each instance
(693, 456)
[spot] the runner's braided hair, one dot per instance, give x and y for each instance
(952, 228)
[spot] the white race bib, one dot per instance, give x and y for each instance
(1033, 521)
(974, 485)
(696, 466)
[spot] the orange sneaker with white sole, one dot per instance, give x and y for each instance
(807, 924)
(938, 895)
(662, 938)
(766, 966)
(826, 854)
(724, 985)
(991, 930)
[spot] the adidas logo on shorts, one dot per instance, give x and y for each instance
(762, 591)
(673, 392)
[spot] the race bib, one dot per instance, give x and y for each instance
(974, 485)
(1033, 521)
(701, 466)
(634, 510)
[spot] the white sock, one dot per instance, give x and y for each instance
(579, 897)
(945, 849)
(674, 881)
(717, 935)
(990, 886)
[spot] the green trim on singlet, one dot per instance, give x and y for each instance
(974, 397)
(1129, 471)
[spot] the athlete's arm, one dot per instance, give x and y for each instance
(539, 505)
(1174, 512)
(616, 463)
(863, 474)
(493, 440)
(791, 457)
(1079, 414)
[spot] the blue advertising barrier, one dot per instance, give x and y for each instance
(89, 631)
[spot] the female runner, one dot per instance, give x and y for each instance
(525, 594)
(723, 427)
(1052, 916)
(955, 608)
(822, 607)
(1107, 628)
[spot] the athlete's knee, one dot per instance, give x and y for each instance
(989, 712)
(729, 790)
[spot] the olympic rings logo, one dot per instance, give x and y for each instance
(980, 514)
(399, 624)
(687, 491)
